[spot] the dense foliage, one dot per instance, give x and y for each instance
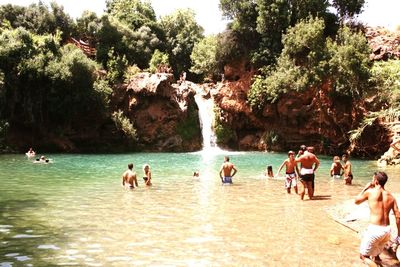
(309, 58)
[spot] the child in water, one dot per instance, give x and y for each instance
(336, 168)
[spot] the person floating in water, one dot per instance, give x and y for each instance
(381, 203)
(336, 168)
(42, 159)
(196, 174)
(129, 177)
(268, 172)
(347, 174)
(30, 153)
(292, 172)
(309, 164)
(226, 170)
(147, 174)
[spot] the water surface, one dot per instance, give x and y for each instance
(75, 212)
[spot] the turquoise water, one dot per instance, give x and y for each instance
(75, 212)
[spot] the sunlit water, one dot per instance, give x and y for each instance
(75, 212)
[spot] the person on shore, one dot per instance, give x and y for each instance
(336, 168)
(226, 169)
(269, 172)
(129, 177)
(309, 164)
(147, 174)
(380, 203)
(347, 170)
(292, 172)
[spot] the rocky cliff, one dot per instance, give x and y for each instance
(164, 114)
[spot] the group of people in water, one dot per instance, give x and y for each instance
(381, 202)
(31, 154)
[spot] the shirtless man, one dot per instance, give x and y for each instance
(226, 169)
(309, 164)
(347, 173)
(380, 203)
(129, 177)
(292, 172)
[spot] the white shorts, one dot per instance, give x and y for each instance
(374, 240)
(290, 180)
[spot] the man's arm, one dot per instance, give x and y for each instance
(280, 168)
(363, 194)
(234, 170)
(397, 215)
(220, 172)
(123, 179)
(316, 164)
(135, 179)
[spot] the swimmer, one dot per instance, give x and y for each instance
(30, 153)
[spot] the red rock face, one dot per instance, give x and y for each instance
(160, 111)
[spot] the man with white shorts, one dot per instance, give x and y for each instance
(380, 202)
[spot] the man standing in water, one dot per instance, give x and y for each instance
(227, 168)
(380, 203)
(347, 173)
(309, 164)
(129, 177)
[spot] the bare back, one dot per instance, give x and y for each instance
(227, 168)
(380, 203)
(307, 160)
(129, 177)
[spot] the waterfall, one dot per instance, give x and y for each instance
(206, 115)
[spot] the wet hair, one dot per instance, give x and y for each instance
(345, 155)
(130, 166)
(291, 153)
(303, 148)
(335, 158)
(310, 149)
(381, 177)
(146, 166)
(226, 158)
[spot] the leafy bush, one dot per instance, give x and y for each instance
(123, 124)
(386, 79)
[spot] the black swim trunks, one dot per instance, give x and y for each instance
(307, 177)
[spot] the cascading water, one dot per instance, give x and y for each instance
(206, 114)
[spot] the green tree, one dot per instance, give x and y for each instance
(158, 58)
(385, 77)
(349, 64)
(135, 13)
(204, 57)
(88, 26)
(136, 46)
(182, 33)
(348, 8)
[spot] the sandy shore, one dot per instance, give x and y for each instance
(356, 217)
